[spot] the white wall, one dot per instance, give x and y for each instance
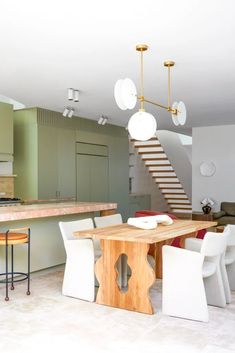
(215, 144)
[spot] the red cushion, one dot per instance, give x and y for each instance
(145, 213)
(176, 242)
(201, 233)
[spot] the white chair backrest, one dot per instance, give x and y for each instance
(67, 228)
(107, 221)
(213, 244)
(231, 237)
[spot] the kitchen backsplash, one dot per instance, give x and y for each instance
(6, 168)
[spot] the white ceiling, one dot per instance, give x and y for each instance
(48, 46)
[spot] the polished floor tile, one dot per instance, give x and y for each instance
(46, 321)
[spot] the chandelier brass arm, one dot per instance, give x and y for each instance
(168, 108)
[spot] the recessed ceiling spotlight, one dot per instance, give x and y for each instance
(70, 94)
(65, 112)
(70, 114)
(76, 95)
(102, 120)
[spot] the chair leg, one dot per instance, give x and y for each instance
(12, 268)
(28, 289)
(224, 275)
(215, 290)
(231, 275)
(6, 259)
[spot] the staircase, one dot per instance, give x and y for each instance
(157, 163)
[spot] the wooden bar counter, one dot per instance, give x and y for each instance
(13, 213)
(47, 248)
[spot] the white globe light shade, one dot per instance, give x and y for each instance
(181, 115)
(118, 94)
(128, 93)
(142, 126)
(174, 116)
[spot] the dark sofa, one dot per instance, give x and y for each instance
(226, 215)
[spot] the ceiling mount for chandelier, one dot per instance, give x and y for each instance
(142, 125)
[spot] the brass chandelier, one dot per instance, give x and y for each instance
(142, 125)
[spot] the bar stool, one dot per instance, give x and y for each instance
(10, 238)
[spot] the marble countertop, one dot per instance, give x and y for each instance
(13, 213)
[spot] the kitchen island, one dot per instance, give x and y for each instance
(47, 247)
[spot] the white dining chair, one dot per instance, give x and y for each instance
(230, 256)
(79, 277)
(107, 221)
(192, 279)
(227, 263)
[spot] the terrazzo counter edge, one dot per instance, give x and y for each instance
(14, 213)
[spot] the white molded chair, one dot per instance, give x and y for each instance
(184, 271)
(79, 277)
(227, 259)
(106, 221)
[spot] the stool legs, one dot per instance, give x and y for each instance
(28, 289)
(11, 238)
(6, 258)
(12, 268)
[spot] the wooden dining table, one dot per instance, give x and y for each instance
(135, 243)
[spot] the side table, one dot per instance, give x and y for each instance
(200, 216)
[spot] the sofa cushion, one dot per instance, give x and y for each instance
(228, 207)
(226, 220)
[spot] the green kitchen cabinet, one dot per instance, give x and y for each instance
(56, 161)
(92, 162)
(45, 156)
(6, 132)
(92, 178)
(47, 164)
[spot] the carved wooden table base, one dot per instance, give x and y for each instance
(142, 277)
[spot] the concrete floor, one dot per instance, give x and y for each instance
(46, 321)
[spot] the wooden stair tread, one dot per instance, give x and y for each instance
(162, 171)
(148, 146)
(177, 199)
(155, 159)
(181, 208)
(173, 193)
(151, 139)
(165, 177)
(165, 187)
(168, 183)
(151, 152)
(158, 165)
(180, 204)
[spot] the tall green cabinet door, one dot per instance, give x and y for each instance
(99, 179)
(47, 162)
(92, 178)
(6, 129)
(66, 163)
